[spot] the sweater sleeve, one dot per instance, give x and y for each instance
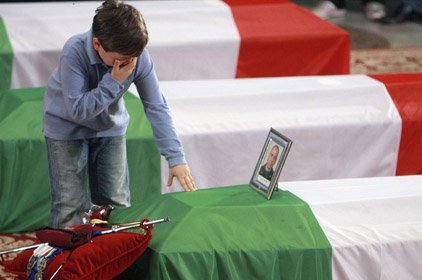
(158, 112)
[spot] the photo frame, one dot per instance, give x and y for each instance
(270, 163)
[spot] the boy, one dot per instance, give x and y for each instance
(85, 119)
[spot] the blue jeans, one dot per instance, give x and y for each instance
(85, 172)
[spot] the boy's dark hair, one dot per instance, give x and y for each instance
(120, 28)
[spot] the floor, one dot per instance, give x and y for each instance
(408, 34)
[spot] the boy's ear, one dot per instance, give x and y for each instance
(96, 43)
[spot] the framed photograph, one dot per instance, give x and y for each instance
(270, 163)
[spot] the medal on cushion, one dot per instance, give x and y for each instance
(39, 275)
(31, 264)
(39, 259)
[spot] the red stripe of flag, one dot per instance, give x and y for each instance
(406, 92)
(284, 39)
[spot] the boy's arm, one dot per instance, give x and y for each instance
(83, 103)
(158, 113)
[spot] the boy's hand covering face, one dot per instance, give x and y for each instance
(122, 69)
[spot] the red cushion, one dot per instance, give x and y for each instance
(105, 257)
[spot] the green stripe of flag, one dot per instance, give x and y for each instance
(6, 58)
(232, 233)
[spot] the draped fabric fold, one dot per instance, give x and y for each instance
(374, 225)
(232, 233)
